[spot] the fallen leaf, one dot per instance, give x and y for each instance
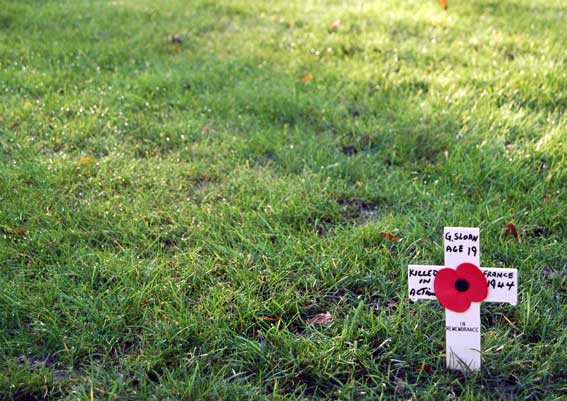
(335, 26)
(389, 236)
(320, 318)
(20, 231)
(444, 4)
(85, 160)
(206, 129)
(546, 199)
(307, 78)
(510, 228)
(424, 368)
(271, 319)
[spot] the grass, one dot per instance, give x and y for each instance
(174, 213)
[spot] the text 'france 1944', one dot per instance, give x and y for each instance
(500, 280)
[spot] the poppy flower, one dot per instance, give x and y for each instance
(456, 289)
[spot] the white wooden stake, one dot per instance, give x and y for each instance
(462, 347)
(462, 330)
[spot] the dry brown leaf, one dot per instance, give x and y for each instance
(510, 228)
(321, 318)
(271, 319)
(335, 26)
(20, 231)
(307, 78)
(85, 160)
(546, 199)
(389, 236)
(424, 368)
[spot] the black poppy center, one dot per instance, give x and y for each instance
(461, 285)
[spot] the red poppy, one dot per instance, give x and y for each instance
(456, 289)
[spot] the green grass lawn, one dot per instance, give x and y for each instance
(173, 211)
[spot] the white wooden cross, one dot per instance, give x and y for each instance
(462, 245)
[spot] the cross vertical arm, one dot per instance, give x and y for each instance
(462, 330)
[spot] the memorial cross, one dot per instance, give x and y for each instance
(460, 286)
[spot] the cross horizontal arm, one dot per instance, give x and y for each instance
(502, 283)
